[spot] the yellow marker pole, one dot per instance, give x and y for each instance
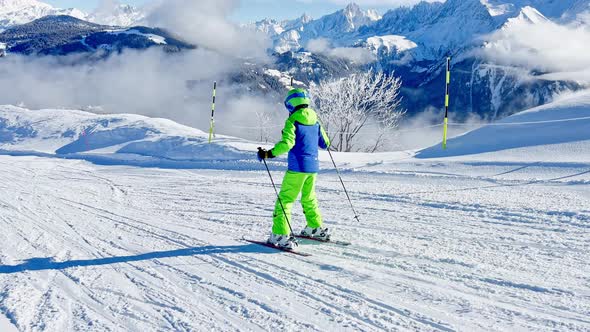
(446, 124)
(212, 125)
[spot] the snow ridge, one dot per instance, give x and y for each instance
(126, 138)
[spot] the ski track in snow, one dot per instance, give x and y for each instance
(441, 246)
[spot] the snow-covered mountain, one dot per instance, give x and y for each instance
(414, 41)
(554, 9)
(446, 28)
(63, 35)
(528, 15)
(438, 28)
(292, 35)
(118, 15)
(17, 12)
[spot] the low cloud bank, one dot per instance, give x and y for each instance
(548, 47)
(354, 54)
(206, 24)
(150, 82)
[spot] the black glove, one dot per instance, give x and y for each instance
(264, 154)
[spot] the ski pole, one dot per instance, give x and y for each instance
(278, 197)
(343, 186)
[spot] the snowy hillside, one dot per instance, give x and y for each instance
(65, 35)
(387, 45)
(443, 244)
(110, 139)
(556, 131)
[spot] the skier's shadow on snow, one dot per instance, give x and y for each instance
(48, 263)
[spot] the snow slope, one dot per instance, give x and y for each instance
(555, 131)
(444, 244)
(121, 138)
(389, 44)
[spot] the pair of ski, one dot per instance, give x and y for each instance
(295, 252)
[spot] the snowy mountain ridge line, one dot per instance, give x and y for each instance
(425, 23)
(17, 12)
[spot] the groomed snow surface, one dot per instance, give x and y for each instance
(125, 223)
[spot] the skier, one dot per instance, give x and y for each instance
(302, 135)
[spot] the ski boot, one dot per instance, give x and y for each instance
(316, 233)
(282, 241)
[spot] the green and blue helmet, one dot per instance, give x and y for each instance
(296, 98)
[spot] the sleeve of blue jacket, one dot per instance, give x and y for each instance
(324, 140)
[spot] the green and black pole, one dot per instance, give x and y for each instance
(212, 124)
(448, 87)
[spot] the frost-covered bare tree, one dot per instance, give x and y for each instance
(348, 106)
(264, 120)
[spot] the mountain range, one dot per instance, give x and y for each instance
(17, 12)
(412, 42)
(438, 26)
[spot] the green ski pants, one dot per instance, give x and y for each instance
(293, 184)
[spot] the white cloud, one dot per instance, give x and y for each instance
(354, 54)
(206, 24)
(561, 50)
(151, 83)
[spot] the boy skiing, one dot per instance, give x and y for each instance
(302, 135)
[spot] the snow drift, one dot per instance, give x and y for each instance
(81, 135)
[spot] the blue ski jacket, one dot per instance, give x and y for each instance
(302, 135)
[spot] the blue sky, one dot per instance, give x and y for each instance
(250, 10)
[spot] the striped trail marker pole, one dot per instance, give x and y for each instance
(212, 124)
(446, 123)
